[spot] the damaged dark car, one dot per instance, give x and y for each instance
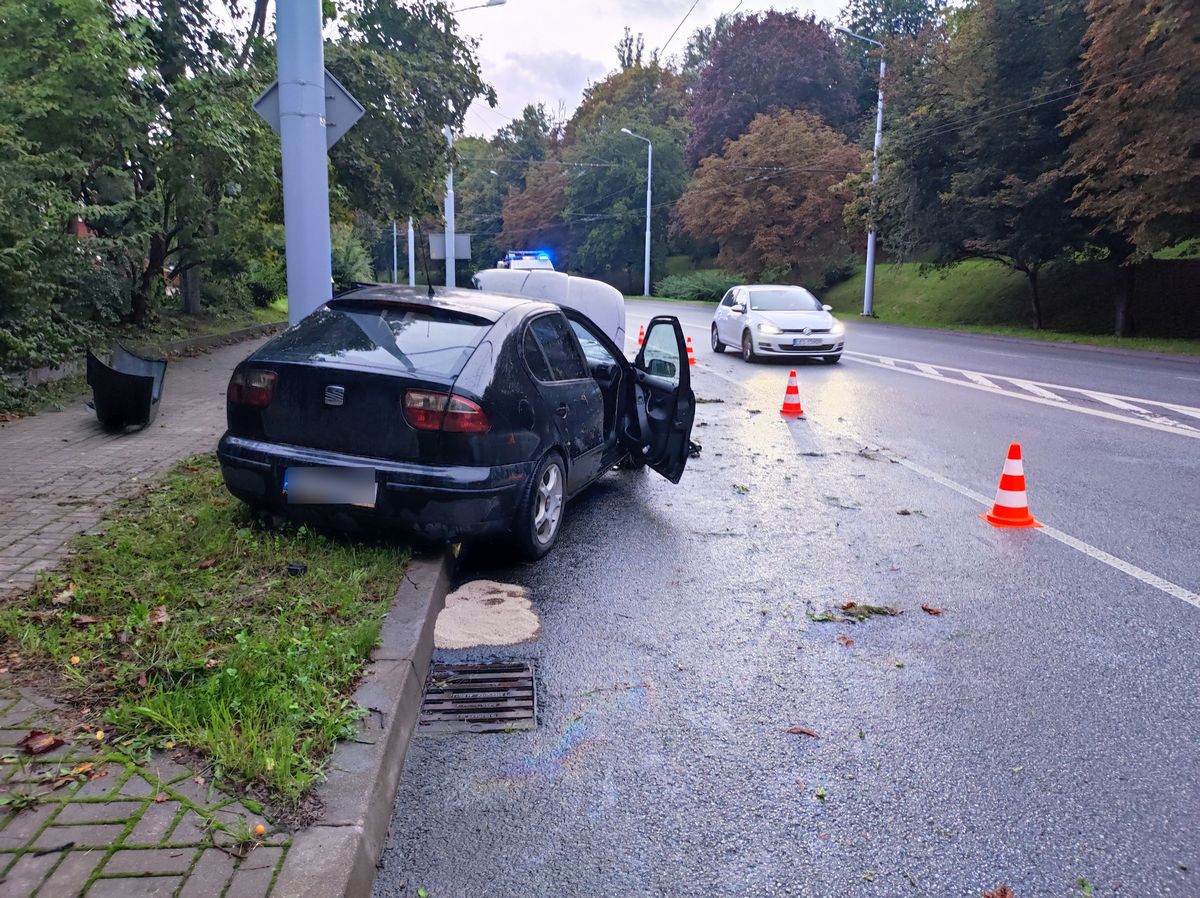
(460, 416)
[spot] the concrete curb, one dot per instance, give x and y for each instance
(337, 856)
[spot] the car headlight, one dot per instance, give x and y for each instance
(838, 329)
(770, 329)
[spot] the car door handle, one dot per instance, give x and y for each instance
(562, 410)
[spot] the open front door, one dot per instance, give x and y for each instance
(664, 406)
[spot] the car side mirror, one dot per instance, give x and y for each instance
(661, 368)
(738, 308)
(827, 308)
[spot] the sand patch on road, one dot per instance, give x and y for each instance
(484, 612)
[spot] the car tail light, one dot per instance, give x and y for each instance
(428, 410)
(252, 386)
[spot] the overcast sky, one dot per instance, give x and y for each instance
(548, 51)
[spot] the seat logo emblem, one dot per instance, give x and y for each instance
(335, 395)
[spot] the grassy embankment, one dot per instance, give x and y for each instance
(181, 621)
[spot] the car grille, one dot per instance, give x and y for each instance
(800, 330)
(824, 347)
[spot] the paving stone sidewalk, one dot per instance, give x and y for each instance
(114, 829)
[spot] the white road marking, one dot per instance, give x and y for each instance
(928, 369)
(1115, 402)
(1036, 390)
(1181, 429)
(979, 379)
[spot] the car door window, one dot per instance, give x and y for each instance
(535, 358)
(728, 300)
(592, 347)
(661, 354)
(561, 347)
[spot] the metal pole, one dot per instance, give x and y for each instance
(869, 286)
(395, 257)
(450, 272)
(649, 187)
(412, 255)
(305, 165)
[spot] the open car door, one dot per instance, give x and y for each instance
(664, 406)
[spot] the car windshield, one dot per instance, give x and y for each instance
(785, 299)
(424, 340)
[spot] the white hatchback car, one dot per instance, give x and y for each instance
(777, 320)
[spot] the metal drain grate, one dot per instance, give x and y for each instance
(479, 698)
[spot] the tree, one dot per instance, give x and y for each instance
(414, 75)
(765, 63)
(773, 198)
(640, 94)
(629, 51)
(606, 203)
(533, 216)
(699, 46)
(974, 157)
(1133, 132)
(881, 19)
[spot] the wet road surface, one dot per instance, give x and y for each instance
(1040, 731)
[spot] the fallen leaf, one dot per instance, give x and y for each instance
(199, 781)
(82, 768)
(64, 597)
(213, 662)
(846, 606)
(1001, 891)
(161, 797)
(929, 609)
(206, 564)
(38, 743)
(159, 615)
(801, 731)
(845, 640)
(84, 620)
(141, 680)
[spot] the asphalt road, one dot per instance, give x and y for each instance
(1042, 731)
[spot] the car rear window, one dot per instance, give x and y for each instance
(415, 338)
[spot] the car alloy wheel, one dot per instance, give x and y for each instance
(548, 504)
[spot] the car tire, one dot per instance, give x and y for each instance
(539, 517)
(748, 353)
(832, 359)
(717, 345)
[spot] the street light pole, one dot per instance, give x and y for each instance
(450, 266)
(869, 287)
(649, 188)
(305, 161)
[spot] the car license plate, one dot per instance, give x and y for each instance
(330, 486)
(805, 341)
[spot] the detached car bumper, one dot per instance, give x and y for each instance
(821, 344)
(437, 503)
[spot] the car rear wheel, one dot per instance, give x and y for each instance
(832, 359)
(748, 354)
(717, 345)
(539, 518)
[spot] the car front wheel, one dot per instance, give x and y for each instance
(717, 345)
(748, 348)
(539, 518)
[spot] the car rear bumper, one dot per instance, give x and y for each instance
(433, 502)
(783, 346)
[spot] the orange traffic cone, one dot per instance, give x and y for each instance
(1011, 508)
(641, 335)
(791, 399)
(691, 352)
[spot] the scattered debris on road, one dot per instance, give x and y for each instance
(912, 512)
(801, 731)
(484, 612)
(929, 609)
(845, 640)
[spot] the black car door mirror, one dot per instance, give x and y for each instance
(662, 368)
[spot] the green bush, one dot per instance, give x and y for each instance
(698, 286)
(840, 272)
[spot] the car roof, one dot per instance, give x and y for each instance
(492, 306)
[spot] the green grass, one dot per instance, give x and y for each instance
(182, 621)
(986, 297)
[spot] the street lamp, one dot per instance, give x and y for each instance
(480, 5)
(869, 288)
(449, 206)
(649, 180)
